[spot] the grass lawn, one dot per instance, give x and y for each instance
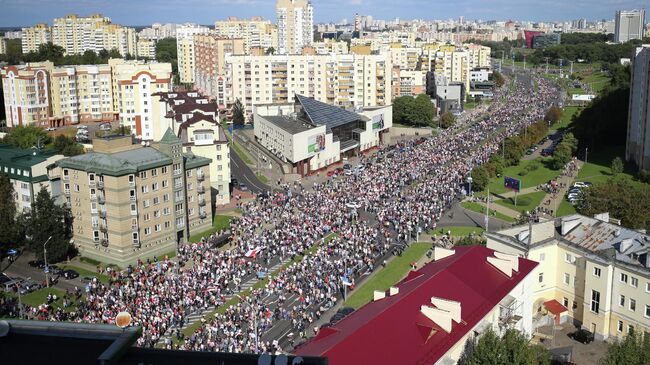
(568, 113)
(83, 272)
(263, 178)
(476, 207)
(394, 271)
(533, 178)
(94, 262)
(241, 153)
(525, 202)
(471, 105)
(597, 168)
(39, 297)
(565, 208)
(220, 222)
(460, 231)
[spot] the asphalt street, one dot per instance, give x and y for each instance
(245, 175)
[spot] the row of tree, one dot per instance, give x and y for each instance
(26, 137)
(56, 54)
(564, 151)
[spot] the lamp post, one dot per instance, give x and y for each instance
(469, 181)
(47, 269)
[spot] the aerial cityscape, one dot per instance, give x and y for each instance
(325, 182)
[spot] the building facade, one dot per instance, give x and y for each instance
(130, 201)
(295, 20)
(146, 48)
(256, 32)
(210, 54)
(26, 95)
(34, 36)
(638, 120)
(96, 32)
(27, 171)
(596, 270)
(628, 25)
(185, 51)
(343, 80)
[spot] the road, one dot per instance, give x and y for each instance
(245, 175)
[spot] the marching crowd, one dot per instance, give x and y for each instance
(404, 194)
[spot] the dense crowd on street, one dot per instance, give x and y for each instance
(404, 194)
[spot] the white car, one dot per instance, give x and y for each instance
(353, 205)
(360, 168)
(50, 129)
(579, 184)
(82, 127)
(348, 172)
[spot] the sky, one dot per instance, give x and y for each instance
(145, 12)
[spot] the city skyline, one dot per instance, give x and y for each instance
(140, 13)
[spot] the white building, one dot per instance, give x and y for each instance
(185, 50)
(629, 25)
(295, 25)
(638, 119)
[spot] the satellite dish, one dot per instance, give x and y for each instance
(123, 319)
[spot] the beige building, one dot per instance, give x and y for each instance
(134, 83)
(329, 46)
(210, 64)
(597, 270)
(452, 65)
(343, 80)
(406, 58)
(256, 32)
(26, 95)
(3, 45)
(96, 32)
(409, 83)
(146, 48)
(131, 202)
(185, 51)
(295, 25)
(33, 37)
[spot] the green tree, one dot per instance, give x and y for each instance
(47, 219)
(67, 146)
(480, 178)
(553, 114)
(617, 166)
(270, 51)
(166, 52)
(634, 349)
(498, 79)
(402, 109)
(471, 240)
(8, 232)
(50, 51)
(27, 137)
(423, 111)
(238, 113)
(513, 348)
(561, 156)
(447, 119)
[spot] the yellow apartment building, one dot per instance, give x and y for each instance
(210, 53)
(33, 37)
(26, 95)
(133, 202)
(256, 32)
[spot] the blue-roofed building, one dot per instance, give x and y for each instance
(311, 135)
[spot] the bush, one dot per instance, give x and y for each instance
(523, 172)
(533, 166)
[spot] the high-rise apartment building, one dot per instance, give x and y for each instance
(210, 53)
(295, 25)
(343, 80)
(3, 45)
(33, 37)
(638, 119)
(146, 48)
(134, 83)
(26, 95)
(131, 201)
(629, 25)
(452, 64)
(185, 50)
(256, 32)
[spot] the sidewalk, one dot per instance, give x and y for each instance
(552, 201)
(501, 209)
(511, 194)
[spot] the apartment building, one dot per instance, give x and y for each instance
(343, 80)
(26, 95)
(638, 120)
(596, 271)
(328, 46)
(210, 53)
(406, 58)
(409, 83)
(451, 63)
(194, 120)
(479, 56)
(96, 32)
(134, 83)
(628, 25)
(256, 32)
(33, 37)
(3, 45)
(28, 173)
(131, 201)
(295, 20)
(185, 51)
(146, 48)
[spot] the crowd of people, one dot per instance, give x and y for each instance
(403, 195)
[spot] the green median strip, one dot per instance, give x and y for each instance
(478, 208)
(241, 153)
(388, 276)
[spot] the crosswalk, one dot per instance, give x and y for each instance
(196, 316)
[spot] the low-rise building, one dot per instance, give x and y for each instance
(131, 201)
(598, 272)
(432, 314)
(28, 172)
(312, 135)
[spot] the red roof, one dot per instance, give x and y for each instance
(394, 331)
(554, 307)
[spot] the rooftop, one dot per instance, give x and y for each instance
(117, 164)
(320, 113)
(396, 330)
(22, 158)
(288, 124)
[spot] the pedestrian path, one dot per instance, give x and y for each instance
(552, 200)
(501, 209)
(511, 193)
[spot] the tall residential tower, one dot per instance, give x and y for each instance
(295, 25)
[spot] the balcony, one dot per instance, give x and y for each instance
(100, 185)
(101, 199)
(103, 242)
(200, 176)
(102, 214)
(134, 227)
(201, 202)
(200, 189)
(203, 215)
(131, 184)
(103, 228)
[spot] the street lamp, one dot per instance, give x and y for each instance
(469, 181)
(47, 269)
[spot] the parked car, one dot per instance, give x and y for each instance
(353, 205)
(243, 187)
(582, 336)
(105, 126)
(347, 166)
(70, 274)
(50, 129)
(234, 182)
(348, 172)
(11, 285)
(581, 184)
(29, 286)
(83, 127)
(4, 278)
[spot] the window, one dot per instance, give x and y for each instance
(569, 258)
(157, 227)
(632, 306)
(567, 278)
(163, 170)
(647, 287)
(166, 197)
(565, 302)
(143, 174)
(634, 282)
(154, 172)
(156, 200)
(147, 231)
(595, 301)
(154, 186)
(167, 224)
(144, 188)
(647, 311)
(165, 183)
(630, 328)
(189, 173)
(596, 271)
(542, 256)
(145, 203)
(540, 277)
(166, 211)
(76, 187)
(624, 278)
(621, 300)
(135, 237)
(619, 326)
(156, 213)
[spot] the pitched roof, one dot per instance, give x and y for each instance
(169, 137)
(393, 330)
(197, 117)
(320, 113)
(118, 164)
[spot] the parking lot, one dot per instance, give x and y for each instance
(581, 354)
(72, 130)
